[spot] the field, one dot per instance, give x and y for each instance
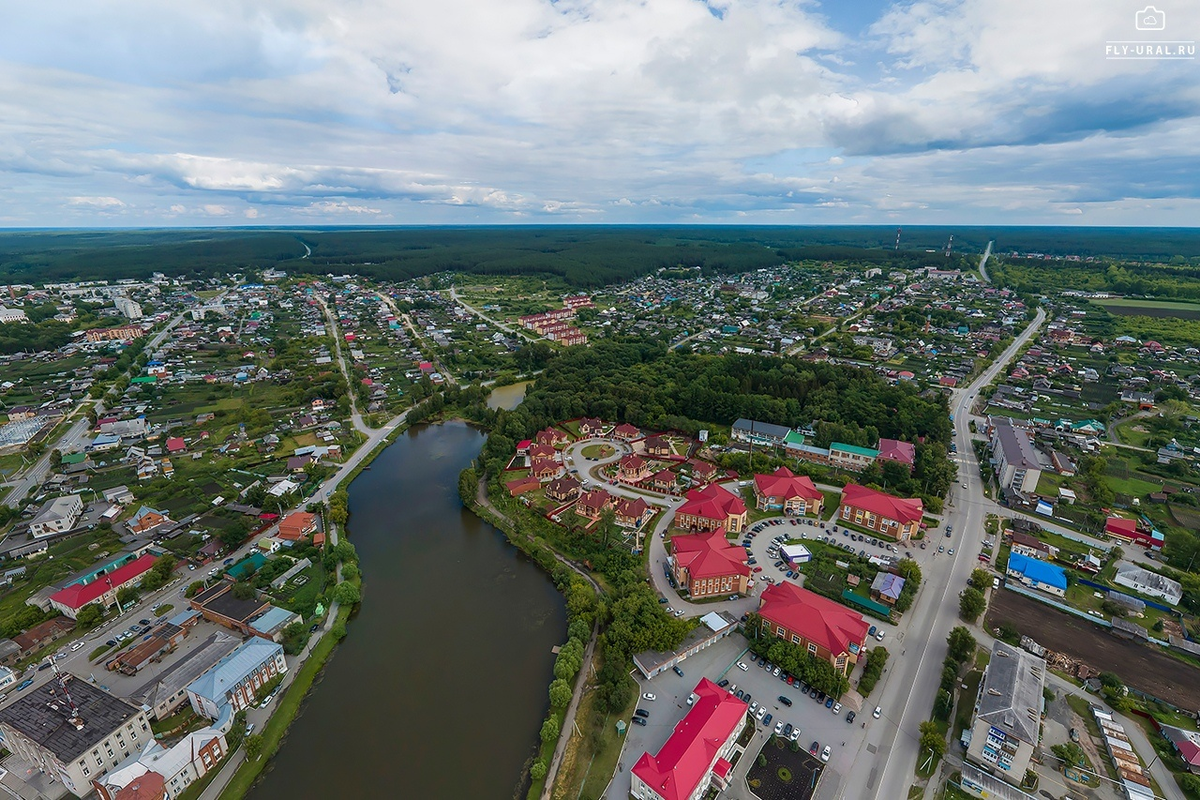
(1141, 667)
(1125, 306)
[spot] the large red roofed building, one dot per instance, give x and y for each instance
(783, 489)
(697, 754)
(895, 450)
(885, 514)
(710, 508)
(827, 630)
(1128, 530)
(707, 565)
(103, 589)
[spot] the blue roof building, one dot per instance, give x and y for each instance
(1036, 574)
(234, 680)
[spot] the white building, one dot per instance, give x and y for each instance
(1151, 584)
(1014, 457)
(234, 680)
(164, 772)
(8, 315)
(56, 516)
(127, 307)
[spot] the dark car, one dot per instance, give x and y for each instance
(662, 600)
(143, 622)
(829, 703)
(816, 748)
(111, 643)
(641, 712)
(739, 695)
(43, 666)
(787, 729)
(850, 717)
(723, 682)
(638, 721)
(25, 684)
(787, 701)
(677, 670)
(767, 720)
(747, 697)
(813, 692)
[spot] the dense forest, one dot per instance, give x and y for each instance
(582, 256)
(1174, 280)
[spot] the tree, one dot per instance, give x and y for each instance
(56, 459)
(254, 746)
(943, 704)
(346, 594)
(932, 739)
(538, 770)
(962, 644)
(295, 636)
(233, 536)
(560, 693)
(193, 589)
(127, 596)
(243, 590)
(550, 729)
(1069, 753)
(981, 579)
(971, 604)
(1190, 785)
(89, 616)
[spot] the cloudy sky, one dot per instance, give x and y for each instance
(137, 113)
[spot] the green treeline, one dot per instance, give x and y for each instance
(1174, 280)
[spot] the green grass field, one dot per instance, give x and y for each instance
(1131, 306)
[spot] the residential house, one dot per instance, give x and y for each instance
(57, 516)
(626, 432)
(541, 451)
(1033, 547)
(43, 634)
(563, 489)
(763, 433)
(297, 525)
(895, 517)
(662, 481)
(784, 490)
(657, 446)
(1014, 457)
(1036, 574)
(1151, 584)
(633, 469)
(589, 427)
(632, 513)
(1007, 724)
(163, 772)
(697, 755)
(886, 588)
(710, 508)
(702, 471)
(146, 519)
(545, 469)
(707, 565)
(118, 494)
(592, 504)
(551, 436)
(102, 588)
(825, 629)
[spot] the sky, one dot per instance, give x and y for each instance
(388, 112)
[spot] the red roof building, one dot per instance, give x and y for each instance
(707, 565)
(522, 485)
(633, 469)
(791, 493)
(885, 514)
(589, 427)
(827, 630)
(550, 436)
(663, 480)
(103, 589)
(563, 489)
(176, 445)
(1128, 530)
(895, 450)
(657, 446)
(592, 503)
(702, 471)
(297, 525)
(632, 513)
(545, 469)
(710, 508)
(541, 451)
(626, 431)
(697, 754)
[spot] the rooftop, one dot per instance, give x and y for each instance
(220, 600)
(1011, 696)
(1037, 570)
(233, 669)
(44, 716)
(1016, 445)
(818, 619)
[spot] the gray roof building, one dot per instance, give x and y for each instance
(1011, 696)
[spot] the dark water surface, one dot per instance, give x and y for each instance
(440, 688)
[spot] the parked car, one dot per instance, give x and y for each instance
(677, 670)
(649, 696)
(723, 682)
(877, 712)
(787, 729)
(643, 713)
(25, 684)
(850, 716)
(783, 698)
(761, 713)
(829, 703)
(825, 753)
(814, 748)
(767, 720)
(779, 728)
(742, 666)
(639, 721)
(837, 708)
(794, 735)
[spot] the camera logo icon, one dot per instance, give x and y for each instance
(1150, 19)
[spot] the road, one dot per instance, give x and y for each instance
(907, 690)
(356, 418)
(476, 312)
(437, 362)
(987, 253)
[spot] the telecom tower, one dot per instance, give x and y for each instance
(898, 231)
(950, 245)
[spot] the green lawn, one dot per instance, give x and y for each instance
(966, 703)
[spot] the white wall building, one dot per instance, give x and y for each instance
(1151, 584)
(127, 307)
(56, 516)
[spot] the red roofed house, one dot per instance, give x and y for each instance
(633, 469)
(176, 445)
(550, 436)
(319, 539)
(522, 485)
(626, 431)
(880, 512)
(710, 508)
(657, 446)
(103, 589)
(1127, 530)
(703, 471)
(632, 513)
(563, 489)
(592, 503)
(589, 427)
(297, 525)
(697, 754)
(707, 565)
(896, 450)
(827, 630)
(545, 469)
(783, 489)
(663, 480)
(541, 451)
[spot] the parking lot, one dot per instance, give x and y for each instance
(717, 663)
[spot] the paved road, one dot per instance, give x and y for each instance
(908, 687)
(983, 263)
(433, 351)
(356, 418)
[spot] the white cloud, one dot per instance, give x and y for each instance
(102, 203)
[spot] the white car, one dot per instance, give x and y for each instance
(762, 711)
(877, 713)
(742, 666)
(825, 753)
(779, 727)
(837, 708)
(754, 707)
(76, 646)
(879, 636)
(794, 735)
(679, 613)
(649, 696)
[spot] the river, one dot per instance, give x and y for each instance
(440, 688)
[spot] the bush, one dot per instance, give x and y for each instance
(550, 729)
(872, 670)
(538, 770)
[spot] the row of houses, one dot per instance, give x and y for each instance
(839, 455)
